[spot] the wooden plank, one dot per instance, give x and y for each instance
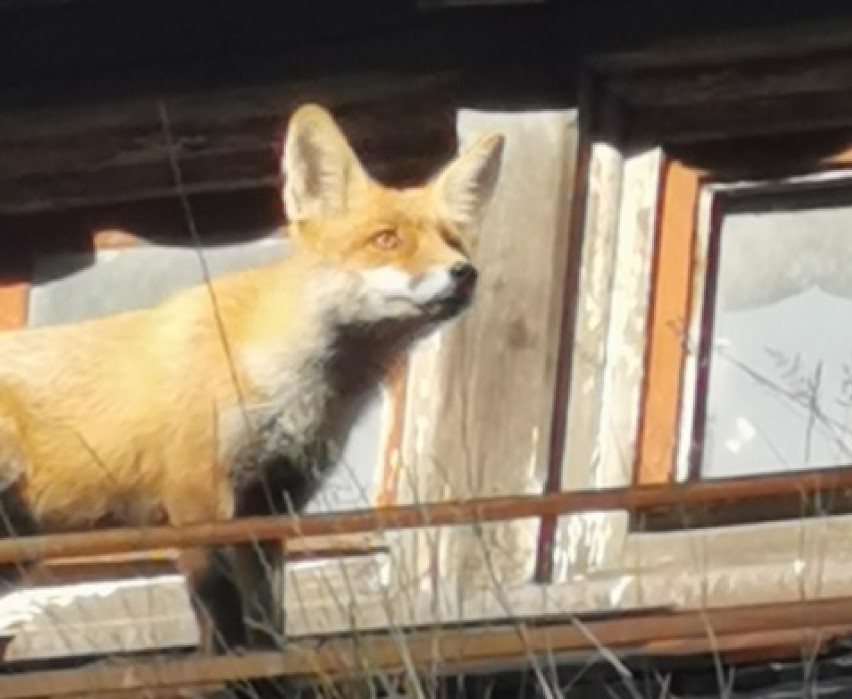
(67, 571)
(667, 324)
(739, 118)
(221, 217)
(603, 181)
(446, 4)
(608, 346)
(94, 568)
(13, 303)
(732, 86)
(678, 87)
(482, 425)
(115, 239)
(753, 646)
(396, 388)
(222, 112)
(801, 41)
(622, 372)
(223, 140)
(575, 191)
(201, 691)
(445, 650)
(742, 568)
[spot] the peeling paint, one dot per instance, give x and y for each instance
(609, 349)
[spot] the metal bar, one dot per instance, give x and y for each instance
(443, 650)
(412, 516)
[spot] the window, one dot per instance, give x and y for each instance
(709, 342)
(745, 362)
(773, 395)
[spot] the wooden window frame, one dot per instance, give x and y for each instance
(659, 124)
(677, 367)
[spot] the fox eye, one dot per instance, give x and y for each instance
(456, 244)
(387, 240)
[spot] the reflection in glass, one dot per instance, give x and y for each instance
(779, 391)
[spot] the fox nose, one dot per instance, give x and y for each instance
(464, 274)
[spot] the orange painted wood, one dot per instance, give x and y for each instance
(66, 571)
(114, 239)
(13, 304)
(392, 438)
(668, 320)
(843, 157)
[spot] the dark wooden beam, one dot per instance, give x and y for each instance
(223, 140)
(784, 80)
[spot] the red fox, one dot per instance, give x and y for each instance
(225, 400)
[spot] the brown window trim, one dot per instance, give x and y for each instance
(92, 229)
(674, 267)
(669, 305)
(13, 302)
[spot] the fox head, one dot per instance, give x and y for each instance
(405, 252)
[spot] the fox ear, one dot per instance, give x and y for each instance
(320, 171)
(465, 186)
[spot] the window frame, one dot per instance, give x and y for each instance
(642, 111)
(708, 206)
(690, 214)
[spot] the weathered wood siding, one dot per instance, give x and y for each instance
(224, 140)
(481, 392)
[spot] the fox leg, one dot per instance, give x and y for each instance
(209, 573)
(16, 520)
(16, 516)
(215, 597)
(286, 487)
(259, 568)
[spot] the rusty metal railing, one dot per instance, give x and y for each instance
(460, 512)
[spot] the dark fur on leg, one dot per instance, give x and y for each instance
(216, 598)
(15, 520)
(286, 488)
(260, 571)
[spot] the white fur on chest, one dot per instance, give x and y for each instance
(291, 392)
(299, 413)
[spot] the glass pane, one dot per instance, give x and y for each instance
(779, 391)
(73, 286)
